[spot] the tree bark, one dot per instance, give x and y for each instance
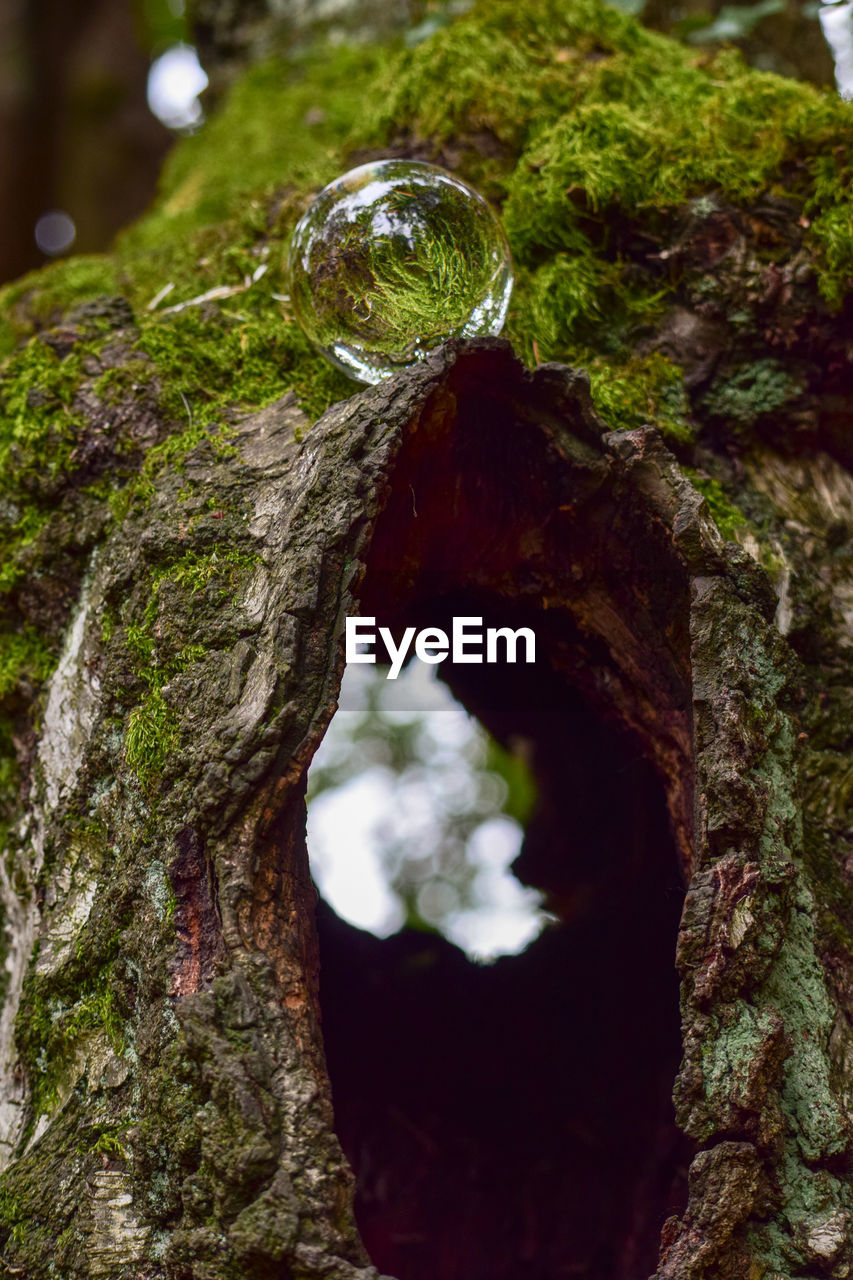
(190, 1124)
(178, 1017)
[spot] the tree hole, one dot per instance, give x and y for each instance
(514, 1119)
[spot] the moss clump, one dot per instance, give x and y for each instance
(108, 1142)
(41, 298)
(654, 132)
(57, 1014)
(576, 306)
(595, 115)
(158, 649)
(751, 392)
(152, 732)
(727, 517)
(245, 354)
(829, 203)
(38, 425)
(642, 390)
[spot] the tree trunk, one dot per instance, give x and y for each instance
(176, 1007)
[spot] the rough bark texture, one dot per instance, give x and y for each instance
(222, 1156)
(176, 574)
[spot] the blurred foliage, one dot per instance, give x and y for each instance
(161, 23)
(784, 36)
(733, 21)
(444, 777)
(513, 770)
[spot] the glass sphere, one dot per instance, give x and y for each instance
(391, 260)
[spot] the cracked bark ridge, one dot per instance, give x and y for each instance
(183, 1125)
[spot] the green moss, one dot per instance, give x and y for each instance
(23, 655)
(12, 1217)
(117, 385)
(58, 1012)
(153, 728)
(42, 436)
(575, 306)
(37, 423)
(727, 517)
(828, 204)
(246, 352)
(596, 114)
(151, 734)
(592, 113)
(40, 299)
(108, 1142)
(751, 392)
(654, 132)
(508, 68)
(642, 390)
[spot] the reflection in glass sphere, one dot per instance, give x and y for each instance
(391, 260)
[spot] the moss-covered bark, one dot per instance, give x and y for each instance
(180, 544)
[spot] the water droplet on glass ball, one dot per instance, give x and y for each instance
(391, 260)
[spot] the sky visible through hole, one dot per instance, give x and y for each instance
(413, 817)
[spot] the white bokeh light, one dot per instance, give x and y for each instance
(175, 81)
(55, 232)
(344, 857)
(507, 917)
(836, 19)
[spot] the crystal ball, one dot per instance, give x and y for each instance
(391, 260)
